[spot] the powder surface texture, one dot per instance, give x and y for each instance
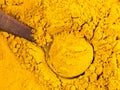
(62, 30)
(70, 53)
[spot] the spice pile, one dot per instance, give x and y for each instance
(60, 27)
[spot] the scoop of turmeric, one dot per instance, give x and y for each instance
(69, 55)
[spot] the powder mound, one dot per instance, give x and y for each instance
(70, 56)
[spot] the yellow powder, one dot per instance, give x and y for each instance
(59, 28)
(69, 52)
(12, 76)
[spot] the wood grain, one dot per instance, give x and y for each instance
(13, 26)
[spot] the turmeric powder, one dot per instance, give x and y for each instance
(69, 52)
(59, 27)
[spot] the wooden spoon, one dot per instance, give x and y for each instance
(13, 26)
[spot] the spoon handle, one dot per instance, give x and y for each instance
(13, 26)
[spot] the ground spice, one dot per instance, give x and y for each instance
(12, 76)
(69, 52)
(96, 21)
